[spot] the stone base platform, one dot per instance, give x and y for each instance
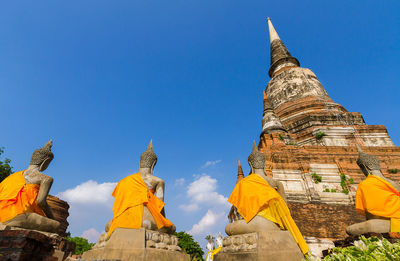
(271, 246)
(137, 244)
(29, 245)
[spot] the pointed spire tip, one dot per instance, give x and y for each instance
(150, 144)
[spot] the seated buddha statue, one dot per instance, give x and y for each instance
(259, 204)
(377, 198)
(23, 195)
(139, 199)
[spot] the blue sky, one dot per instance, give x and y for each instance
(102, 78)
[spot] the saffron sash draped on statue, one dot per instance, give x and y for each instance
(254, 196)
(212, 253)
(16, 197)
(130, 194)
(378, 197)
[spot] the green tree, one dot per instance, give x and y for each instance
(81, 244)
(5, 168)
(189, 246)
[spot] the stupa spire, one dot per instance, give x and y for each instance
(280, 56)
(240, 175)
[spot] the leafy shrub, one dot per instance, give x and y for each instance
(344, 183)
(319, 135)
(393, 171)
(81, 244)
(189, 246)
(5, 167)
(366, 249)
(281, 137)
(317, 178)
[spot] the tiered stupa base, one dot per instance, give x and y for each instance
(268, 245)
(137, 244)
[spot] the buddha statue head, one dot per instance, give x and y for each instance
(148, 159)
(256, 159)
(369, 164)
(43, 156)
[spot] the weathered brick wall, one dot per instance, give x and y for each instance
(324, 220)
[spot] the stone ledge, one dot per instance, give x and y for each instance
(24, 244)
(268, 245)
(136, 244)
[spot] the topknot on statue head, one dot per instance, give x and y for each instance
(148, 159)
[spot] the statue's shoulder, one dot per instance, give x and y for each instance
(35, 177)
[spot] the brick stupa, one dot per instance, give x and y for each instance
(309, 141)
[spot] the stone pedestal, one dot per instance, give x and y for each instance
(271, 246)
(18, 244)
(137, 244)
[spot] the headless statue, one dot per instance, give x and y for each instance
(23, 195)
(143, 188)
(376, 198)
(269, 212)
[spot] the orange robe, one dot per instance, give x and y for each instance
(378, 197)
(16, 197)
(130, 194)
(254, 196)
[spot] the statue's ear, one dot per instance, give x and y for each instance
(44, 164)
(152, 166)
(251, 168)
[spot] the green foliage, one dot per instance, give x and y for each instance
(393, 171)
(344, 183)
(329, 190)
(5, 168)
(281, 137)
(209, 237)
(317, 178)
(189, 246)
(319, 135)
(82, 244)
(366, 249)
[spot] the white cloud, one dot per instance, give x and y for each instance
(90, 207)
(89, 192)
(202, 191)
(211, 163)
(209, 220)
(189, 207)
(179, 182)
(91, 235)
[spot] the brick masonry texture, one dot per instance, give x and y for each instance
(324, 220)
